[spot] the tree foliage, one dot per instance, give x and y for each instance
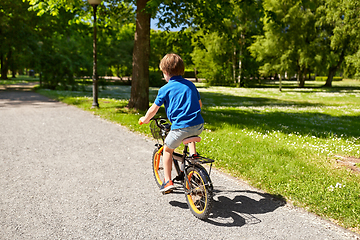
(289, 40)
(17, 35)
(340, 20)
(163, 42)
(64, 40)
(232, 42)
(211, 58)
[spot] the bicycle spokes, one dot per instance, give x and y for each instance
(199, 197)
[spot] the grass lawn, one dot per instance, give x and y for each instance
(18, 79)
(287, 143)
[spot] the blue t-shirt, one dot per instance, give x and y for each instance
(181, 100)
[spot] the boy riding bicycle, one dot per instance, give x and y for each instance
(182, 105)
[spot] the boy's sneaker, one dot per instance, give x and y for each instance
(195, 156)
(167, 187)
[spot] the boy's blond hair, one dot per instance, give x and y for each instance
(172, 64)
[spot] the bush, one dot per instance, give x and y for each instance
(211, 59)
(324, 78)
(189, 74)
(156, 79)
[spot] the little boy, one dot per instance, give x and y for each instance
(182, 105)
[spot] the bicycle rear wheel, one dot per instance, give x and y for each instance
(158, 166)
(199, 194)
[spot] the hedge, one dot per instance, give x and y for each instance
(324, 78)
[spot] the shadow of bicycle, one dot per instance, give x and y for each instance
(239, 210)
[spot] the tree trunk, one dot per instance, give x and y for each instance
(240, 69)
(300, 79)
(234, 65)
(333, 69)
(13, 68)
(331, 74)
(196, 78)
(240, 77)
(5, 65)
(280, 83)
(2, 65)
(139, 98)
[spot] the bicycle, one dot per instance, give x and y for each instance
(192, 175)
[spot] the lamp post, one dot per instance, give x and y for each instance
(94, 4)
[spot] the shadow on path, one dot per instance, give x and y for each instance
(239, 210)
(20, 98)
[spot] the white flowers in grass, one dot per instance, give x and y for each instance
(329, 146)
(322, 109)
(338, 185)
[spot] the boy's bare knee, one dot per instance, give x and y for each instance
(167, 149)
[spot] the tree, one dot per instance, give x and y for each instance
(341, 24)
(68, 46)
(163, 42)
(176, 13)
(139, 98)
(242, 22)
(194, 12)
(16, 34)
(212, 58)
(288, 44)
(63, 55)
(118, 49)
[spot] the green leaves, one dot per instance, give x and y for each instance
(289, 40)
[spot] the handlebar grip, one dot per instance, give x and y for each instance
(140, 122)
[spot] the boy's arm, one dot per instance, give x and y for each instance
(200, 103)
(150, 113)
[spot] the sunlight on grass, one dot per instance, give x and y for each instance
(282, 142)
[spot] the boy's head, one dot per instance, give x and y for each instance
(172, 65)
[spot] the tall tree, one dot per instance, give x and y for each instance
(200, 13)
(341, 24)
(175, 13)
(212, 57)
(242, 22)
(288, 44)
(16, 33)
(70, 22)
(139, 98)
(163, 42)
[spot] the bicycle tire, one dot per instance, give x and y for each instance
(158, 166)
(200, 198)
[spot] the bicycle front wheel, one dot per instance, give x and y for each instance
(198, 194)
(158, 166)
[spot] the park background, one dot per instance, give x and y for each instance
(277, 78)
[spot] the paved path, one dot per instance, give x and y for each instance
(67, 174)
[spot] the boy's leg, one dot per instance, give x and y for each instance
(167, 157)
(192, 148)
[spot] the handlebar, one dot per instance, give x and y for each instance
(161, 124)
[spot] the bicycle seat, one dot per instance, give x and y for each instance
(192, 139)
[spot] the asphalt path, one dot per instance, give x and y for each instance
(67, 174)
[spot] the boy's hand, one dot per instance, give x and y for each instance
(142, 120)
(149, 114)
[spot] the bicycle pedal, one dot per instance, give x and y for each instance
(179, 177)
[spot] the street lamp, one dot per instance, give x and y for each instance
(94, 4)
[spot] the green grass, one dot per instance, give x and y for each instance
(282, 142)
(18, 79)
